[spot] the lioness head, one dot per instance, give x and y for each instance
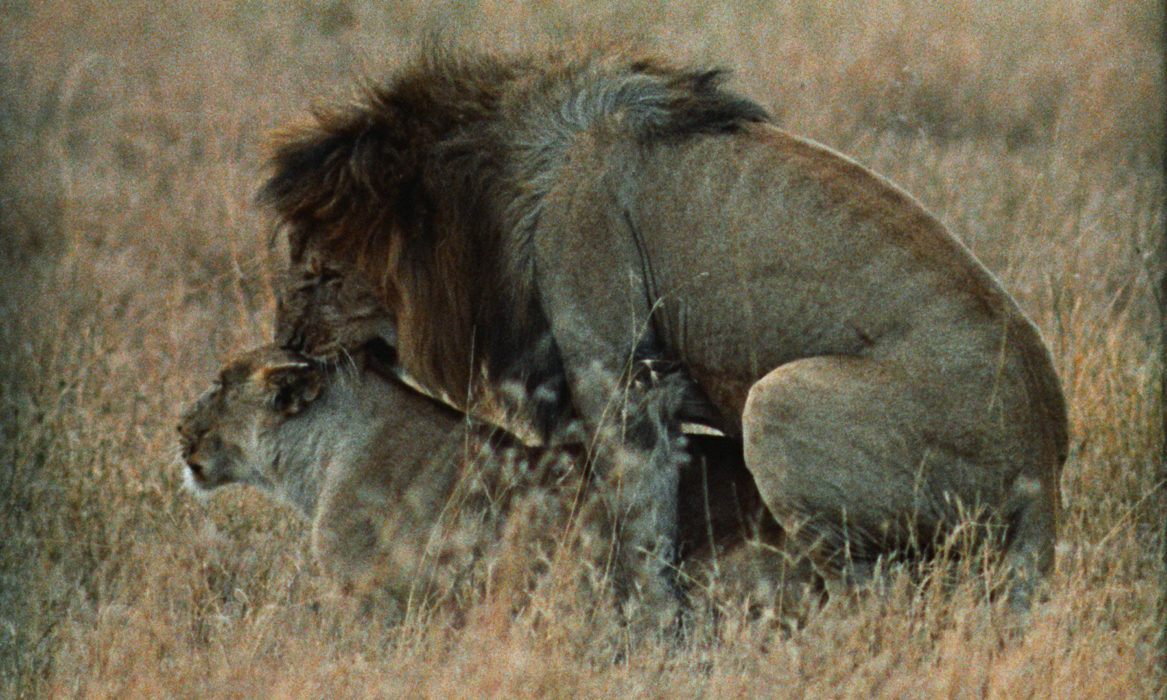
(227, 435)
(403, 494)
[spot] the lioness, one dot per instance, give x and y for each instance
(553, 222)
(400, 501)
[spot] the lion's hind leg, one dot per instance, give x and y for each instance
(859, 459)
(1031, 513)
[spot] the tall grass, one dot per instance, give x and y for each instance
(134, 264)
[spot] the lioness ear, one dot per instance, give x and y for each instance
(290, 387)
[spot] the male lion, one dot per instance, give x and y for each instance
(399, 499)
(559, 223)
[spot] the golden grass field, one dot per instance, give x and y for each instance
(134, 264)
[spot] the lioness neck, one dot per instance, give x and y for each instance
(339, 428)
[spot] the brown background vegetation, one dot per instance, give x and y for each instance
(133, 264)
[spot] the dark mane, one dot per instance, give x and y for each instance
(443, 168)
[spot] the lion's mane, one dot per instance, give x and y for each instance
(432, 182)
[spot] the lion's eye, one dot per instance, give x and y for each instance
(315, 277)
(304, 284)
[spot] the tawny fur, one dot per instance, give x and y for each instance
(556, 222)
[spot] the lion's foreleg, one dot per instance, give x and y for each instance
(595, 287)
(640, 451)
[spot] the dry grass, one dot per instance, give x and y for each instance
(134, 264)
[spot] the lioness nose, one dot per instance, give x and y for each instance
(197, 469)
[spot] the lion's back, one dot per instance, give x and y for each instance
(757, 248)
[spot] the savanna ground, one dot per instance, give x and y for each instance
(134, 264)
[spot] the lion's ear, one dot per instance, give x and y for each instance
(289, 387)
